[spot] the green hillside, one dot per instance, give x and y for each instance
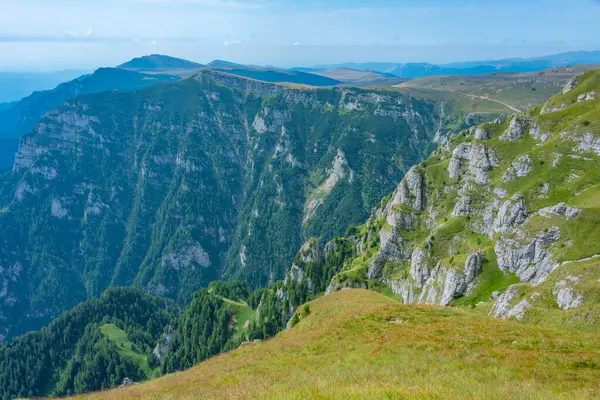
(22, 116)
(172, 186)
(125, 334)
(129, 350)
(278, 75)
(358, 344)
(503, 219)
(519, 90)
(159, 63)
(94, 346)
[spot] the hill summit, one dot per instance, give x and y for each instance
(159, 62)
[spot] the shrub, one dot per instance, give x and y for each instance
(306, 311)
(295, 320)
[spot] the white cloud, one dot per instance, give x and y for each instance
(232, 42)
(89, 32)
(296, 44)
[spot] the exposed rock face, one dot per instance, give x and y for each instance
(439, 284)
(475, 158)
(481, 133)
(588, 143)
(170, 187)
(520, 168)
(566, 298)
(512, 212)
(185, 257)
(570, 85)
(530, 260)
(410, 191)
(462, 207)
(559, 210)
(419, 268)
(587, 97)
(516, 129)
(550, 108)
(309, 254)
(393, 249)
(163, 345)
(502, 307)
(334, 286)
(445, 284)
(128, 382)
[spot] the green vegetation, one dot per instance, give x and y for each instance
(94, 346)
(146, 198)
(129, 350)
(357, 344)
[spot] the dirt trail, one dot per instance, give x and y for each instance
(472, 96)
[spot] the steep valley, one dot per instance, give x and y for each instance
(173, 186)
(502, 219)
(483, 245)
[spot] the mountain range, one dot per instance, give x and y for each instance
(125, 207)
(183, 182)
(418, 70)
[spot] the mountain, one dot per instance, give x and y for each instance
(419, 70)
(501, 219)
(123, 335)
(16, 85)
(358, 344)
(553, 60)
(172, 186)
(22, 116)
(499, 222)
(354, 77)
(521, 91)
(94, 346)
(384, 67)
(276, 75)
(223, 63)
(159, 63)
(5, 106)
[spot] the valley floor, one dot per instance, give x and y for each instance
(357, 344)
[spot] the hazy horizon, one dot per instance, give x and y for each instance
(288, 33)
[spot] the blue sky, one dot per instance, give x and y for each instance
(58, 34)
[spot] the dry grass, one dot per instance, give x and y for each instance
(357, 344)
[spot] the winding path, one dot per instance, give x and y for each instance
(472, 96)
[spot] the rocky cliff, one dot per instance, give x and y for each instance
(170, 187)
(504, 218)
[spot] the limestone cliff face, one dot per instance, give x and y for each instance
(506, 216)
(173, 186)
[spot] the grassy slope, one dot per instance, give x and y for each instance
(521, 90)
(128, 350)
(243, 312)
(360, 344)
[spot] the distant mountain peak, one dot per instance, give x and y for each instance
(223, 63)
(159, 62)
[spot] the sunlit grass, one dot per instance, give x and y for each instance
(357, 344)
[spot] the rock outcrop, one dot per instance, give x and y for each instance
(516, 129)
(473, 159)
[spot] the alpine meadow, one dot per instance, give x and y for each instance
(347, 209)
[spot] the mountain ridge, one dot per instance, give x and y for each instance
(175, 211)
(22, 116)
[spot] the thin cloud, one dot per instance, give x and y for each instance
(232, 42)
(204, 3)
